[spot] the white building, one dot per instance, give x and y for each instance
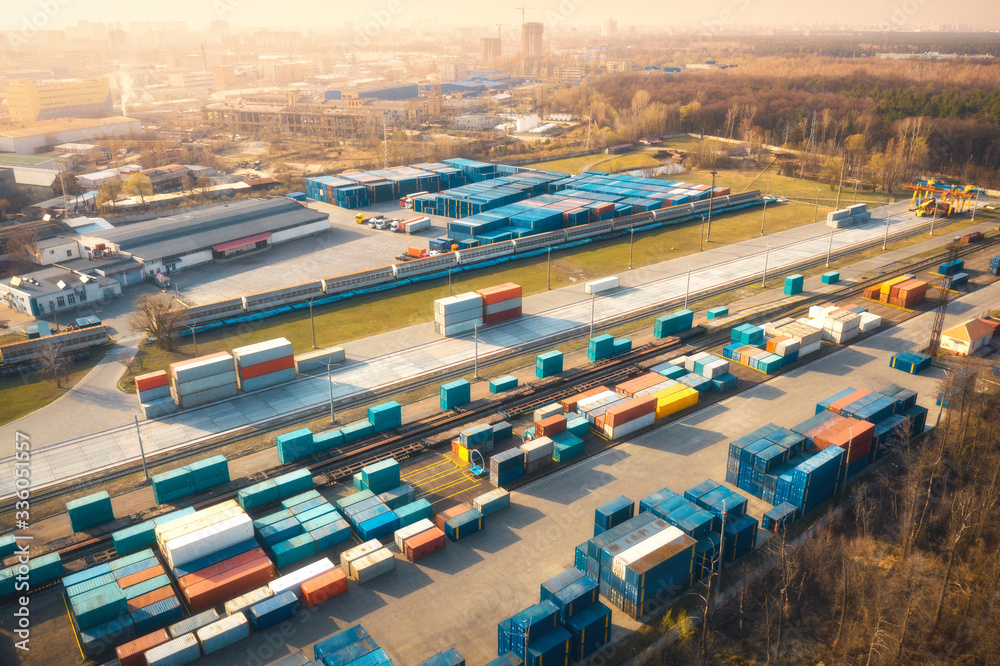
(476, 122)
(53, 250)
(966, 338)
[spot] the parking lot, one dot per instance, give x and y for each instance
(346, 248)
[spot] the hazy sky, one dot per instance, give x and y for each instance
(713, 14)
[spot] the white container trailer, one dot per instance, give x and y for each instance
(223, 633)
(602, 285)
(208, 540)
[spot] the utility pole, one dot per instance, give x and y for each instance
(710, 197)
(687, 289)
(933, 219)
(975, 203)
(763, 217)
(701, 235)
(767, 255)
(475, 336)
(548, 269)
(142, 451)
(194, 340)
(631, 239)
(329, 380)
(593, 301)
(840, 183)
(312, 323)
(816, 211)
(885, 240)
(449, 283)
(829, 249)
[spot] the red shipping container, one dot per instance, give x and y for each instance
(499, 317)
(455, 511)
(151, 380)
(570, 403)
(267, 367)
(552, 425)
(326, 586)
(226, 586)
(133, 653)
(501, 292)
(630, 410)
(423, 544)
(852, 435)
(838, 406)
(159, 594)
(633, 386)
(136, 578)
(220, 568)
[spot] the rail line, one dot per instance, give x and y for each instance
(415, 438)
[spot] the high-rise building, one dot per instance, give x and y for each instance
(489, 51)
(609, 28)
(531, 40)
(28, 101)
(223, 76)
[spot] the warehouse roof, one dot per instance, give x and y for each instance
(64, 125)
(201, 229)
(972, 330)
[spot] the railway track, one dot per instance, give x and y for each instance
(418, 437)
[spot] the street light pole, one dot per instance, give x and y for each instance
(816, 212)
(312, 323)
(975, 203)
(933, 219)
(329, 380)
(763, 217)
(194, 340)
(829, 249)
(767, 255)
(687, 289)
(631, 239)
(449, 283)
(593, 300)
(701, 235)
(711, 195)
(142, 451)
(885, 240)
(548, 269)
(475, 335)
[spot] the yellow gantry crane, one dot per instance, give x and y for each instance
(939, 199)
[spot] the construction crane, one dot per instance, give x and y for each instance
(522, 12)
(942, 305)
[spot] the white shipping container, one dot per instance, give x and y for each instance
(680, 361)
(595, 401)
(458, 329)
(319, 358)
(656, 388)
(660, 367)
(646, 547)
(202, 367)
(373, 565)
(149, 395)
(184, 524)
(486, 498)
(262, 352)
(467, 301)
(786, 347)
(189, 400)
(348, 556)
(595, 412)
(417, 224)
(416, 528)
(805, 350)
(293, 581)
(158, 408)
(206, 383)
(180, 651)
(457, 317)
(624, 429)
(221, 634)
(547, 411)
(167, 536)
(243, 602)
(771, 328)
(537, 449)
(604, 284)
(207, 540)
(503, 306)
(820, 311)
(193, 623)
(715, 369)
(869, 322)
(694, 358)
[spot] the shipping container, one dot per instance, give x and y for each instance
(339, 640)
(424, 543)
(244, 601)
(223, 633)
(193, 623)
(176, 652)
(134, 652)
(218, 589)
(275, 610)
(292, 582)
(323, 587)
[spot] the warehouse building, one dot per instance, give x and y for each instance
(55, 289)
(968, 337)
(41, 138)
(30, 101)
(170, 244)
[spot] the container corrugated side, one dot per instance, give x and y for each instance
(242, 602)
(183, 650)
(411, 530)
(293, 581)
(208, 540)
(223, 633)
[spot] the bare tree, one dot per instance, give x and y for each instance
(127, 357)
(159, 316)
(20, 247)
(52, 360)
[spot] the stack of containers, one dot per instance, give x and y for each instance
(419, 540)
(779, 517)
(477, 438)
(459, 521)
(190, 479)
(994, 268)
(600, 347)
(506, 467)
(202, 380)
(153, 391)
(716, 312)
(275, 489)
(793, 284)
(628, 416)
(596, 405)
(534, 635)
(566, 445)
(367, 561)
(669, 369)
(673, 323)
(869, 322)
(370, 516)
(413, 512)
(739, 531)
(951, 267)
(384, 417)
(41, 570)
(458, 314)
(379, 477)
(537, 454)
(613, 514)
(757, 459)
(455, 394)
(911, 362)
(307, 524)
(500, 303)
(264, 364)
(296, 445)
(90, 511)
(351, 646)
(548, 364)
(143, 535)
(841, 325)
(588, 621)
(812, 482)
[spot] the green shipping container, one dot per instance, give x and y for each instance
(502, 384)
(90, 511)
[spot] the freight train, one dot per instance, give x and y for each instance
(19, 357)
(424, 268)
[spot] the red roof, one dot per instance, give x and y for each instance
(240, 242)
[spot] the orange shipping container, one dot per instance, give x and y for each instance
(501, 292)
(231, 584)
(773, 343)
(134, 653)
(151, 380)
(423, 544)
(844, 402)
(136, 578)
(569, 404)
(633, 386)
(415, 251)
(630, 410)
(326, 586)
(220, 568)
(159, 594)
(267, 367)
(552, 425)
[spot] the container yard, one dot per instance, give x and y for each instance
(390, 520)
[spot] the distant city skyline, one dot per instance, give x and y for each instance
(715, 15)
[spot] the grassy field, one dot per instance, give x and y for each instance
(778, 185)
(617, 163)
(340, 323)
(22, 396)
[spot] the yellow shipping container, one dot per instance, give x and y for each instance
(669, 391)
(688, 397)
(889, 284)
(463, 453)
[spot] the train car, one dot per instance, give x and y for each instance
(536, 241)
(201, 314)
(424, 266)
(485, 252)
(70, 342)
(360, 280)
(278, 297)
